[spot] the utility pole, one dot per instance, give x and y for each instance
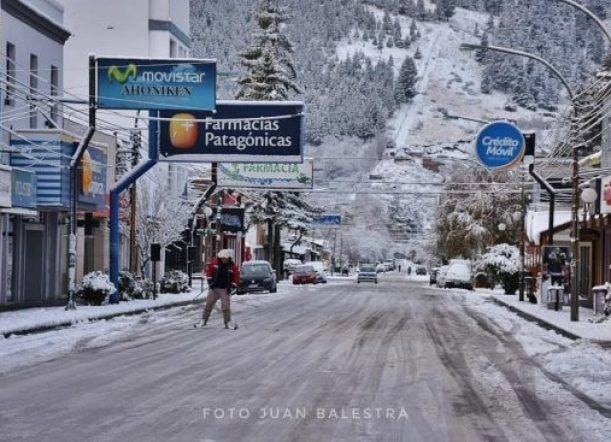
(133, 254)
(74, 163)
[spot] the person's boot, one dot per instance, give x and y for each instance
(227, 317)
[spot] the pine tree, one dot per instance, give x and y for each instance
(406, 82)
(421, 10)
(270, 71)
(390, 43)
(413, 30)
(418, 54)
(480, 54)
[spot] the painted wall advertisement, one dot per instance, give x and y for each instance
(239, 131)
(132, 83)
(293, 176)
(92, 178)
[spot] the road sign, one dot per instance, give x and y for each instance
(292, 176)
(499, 146)
(327, 222)
(238, 132)
(134, 83)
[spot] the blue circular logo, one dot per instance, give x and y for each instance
(499, 145)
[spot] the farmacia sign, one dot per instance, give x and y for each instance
(156, 84)
(500, 145)
(293, 176)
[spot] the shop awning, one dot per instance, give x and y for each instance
(18, 211)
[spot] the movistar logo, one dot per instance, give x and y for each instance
(121, 76)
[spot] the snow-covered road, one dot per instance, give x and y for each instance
(396, 361)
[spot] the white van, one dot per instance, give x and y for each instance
(459, 274)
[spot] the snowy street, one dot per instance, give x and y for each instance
(393, 361)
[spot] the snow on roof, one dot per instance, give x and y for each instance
(537, 223)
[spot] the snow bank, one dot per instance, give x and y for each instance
(32, 318)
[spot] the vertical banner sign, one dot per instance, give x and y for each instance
(605, 195)
(500, 146)
(5, 187)
(132, 83)
(291, 176)
(24, 188)
(238, 132)
(92, 178)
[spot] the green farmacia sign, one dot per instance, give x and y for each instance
(293, 176)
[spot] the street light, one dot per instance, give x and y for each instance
(575, 164)
(593, 16)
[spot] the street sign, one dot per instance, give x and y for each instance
(134, 83)
(499, 146)
(238, 132)
(292, 176)
(327, 222)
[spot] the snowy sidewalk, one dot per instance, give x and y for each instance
(559, 320)
(46, 318)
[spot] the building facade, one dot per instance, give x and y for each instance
(32, 240)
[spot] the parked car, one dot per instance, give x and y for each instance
(381, 268)
(459, 274)
(390, 265)
(441, 276)
(367, 273)
(290, 264)
(433, 275)
(257, 276)
(320, 270)
(304, 274)
(421, 270)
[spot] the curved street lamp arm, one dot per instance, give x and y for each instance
(593, 16)
(471, 46)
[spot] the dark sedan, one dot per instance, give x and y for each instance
(257, 276)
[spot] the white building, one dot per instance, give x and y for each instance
(32, 240)
(138, 28)
(119, 28)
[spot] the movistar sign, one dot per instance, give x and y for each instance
(156, 84)
(499, 145)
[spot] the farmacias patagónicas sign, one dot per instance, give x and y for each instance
(239, 131)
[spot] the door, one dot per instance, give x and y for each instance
(33, 266)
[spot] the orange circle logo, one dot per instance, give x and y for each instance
(87, 172)
(183, 131)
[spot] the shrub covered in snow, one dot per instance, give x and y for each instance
(502, 264)
(95, 288)
(130, 287)
(175, 281)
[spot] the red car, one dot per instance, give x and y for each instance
(304, 275)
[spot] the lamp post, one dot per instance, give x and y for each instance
(590, 14)
(575, 166)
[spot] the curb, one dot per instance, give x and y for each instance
(540, 322)
(606, 344)
(66, 324)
